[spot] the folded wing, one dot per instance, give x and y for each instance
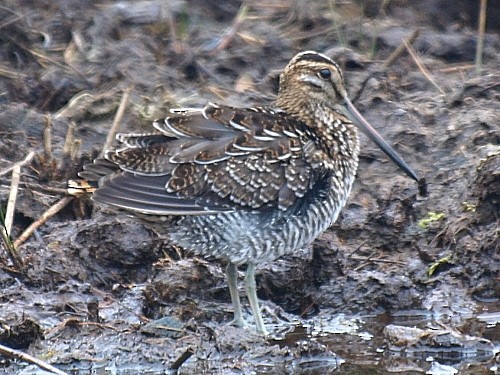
(204, 161)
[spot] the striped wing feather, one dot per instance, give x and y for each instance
(206, 161)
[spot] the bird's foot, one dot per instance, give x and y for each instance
(263, 331)
(242, 324)
(238, 322)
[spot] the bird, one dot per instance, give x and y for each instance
(250, 184)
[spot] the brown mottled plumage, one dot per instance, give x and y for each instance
(250, 184)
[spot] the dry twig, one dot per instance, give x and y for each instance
(41, 220)
(71, 147)
(299, 36)
(368, 259)
(183, 358)
(422, 68)
(398, 51)
(480, 39)
(9, 213)
(69, 140)
(117, 120)
(40, 188)
(232, 31)
(26, 160)
(4, 72)
(456, 68)
(166, 13)
(13, 353)
(10, 20)
(47, 138)
(14, 187)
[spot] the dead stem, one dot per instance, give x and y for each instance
(422, 68)
(370, 258)
(47, 138)
(118, 119)
(9, 213)
(25, 161)
(11, 74)
(400, 49)
(41, 188)
(64, 66)
(233, 29)
(11, 202)
(457, 68)
(41, 220)
(71, 147)
(307, 35)
(13, 353)
(480, 40)
(75, 148)
(68, 141)
(10, 20)
(265, 5)
(333, 9)
(177, 44)
(251, 39)
(183, 358)
(357, 249)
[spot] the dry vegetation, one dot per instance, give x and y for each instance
(78, 285)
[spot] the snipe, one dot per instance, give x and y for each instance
(248, 184)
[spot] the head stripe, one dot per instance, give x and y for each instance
(311, 56)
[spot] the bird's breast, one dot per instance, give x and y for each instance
(244, 236)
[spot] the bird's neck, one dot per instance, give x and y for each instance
(334, 136)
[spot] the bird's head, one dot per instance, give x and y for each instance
(312, 89)
(311, 79)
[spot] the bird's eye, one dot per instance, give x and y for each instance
(325, 73)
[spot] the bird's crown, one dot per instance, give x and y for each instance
(311, 77)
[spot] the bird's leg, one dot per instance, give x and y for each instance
(232, 278)
(251, 289)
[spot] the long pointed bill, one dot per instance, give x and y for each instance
(371, 133)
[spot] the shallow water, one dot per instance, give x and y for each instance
(365, 349)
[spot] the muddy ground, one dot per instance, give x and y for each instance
(401, 283)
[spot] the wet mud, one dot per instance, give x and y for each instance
(402, 283)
